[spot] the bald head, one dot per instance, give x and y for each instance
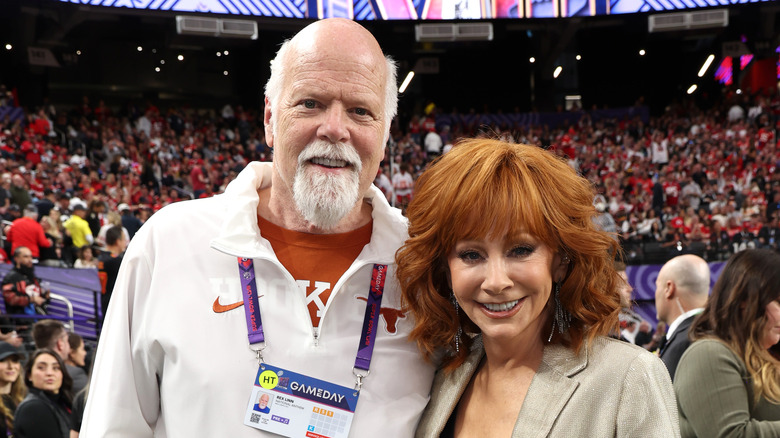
(683, 284)
(340, 39)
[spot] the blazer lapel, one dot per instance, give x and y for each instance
(550, 391)
(682, 328)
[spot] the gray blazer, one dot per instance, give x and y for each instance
(612, 389)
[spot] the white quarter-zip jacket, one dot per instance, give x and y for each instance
(169, 365)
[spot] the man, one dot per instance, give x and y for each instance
(27, 232)
(262, 403)
(78, 229)
(316, 232)
(681, 291)
(47, 203)
(633, 328)
(109, 262)
(22, 290)
(131, 223)
(52, 334)
(20, 194)
(5, 192)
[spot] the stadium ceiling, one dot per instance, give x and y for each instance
(607, 46)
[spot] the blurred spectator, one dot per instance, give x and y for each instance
(384, 184)
(403, 185)
(22, 290)
(20, 195)
(12, 388)
(109, 262)
(96, 216)
(52, 256)
(78, 229)
(27, 232)
(46, 203)
(76, 362)
(51, 334)
(5, 192)
(113, 219)
(633, 328)
(85, 259)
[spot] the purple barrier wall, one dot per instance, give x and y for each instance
(642, 278)
(80, 286)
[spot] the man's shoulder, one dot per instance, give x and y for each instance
(13, 276)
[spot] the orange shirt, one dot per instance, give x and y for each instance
(316, 261)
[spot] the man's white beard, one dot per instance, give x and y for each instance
(322, 198)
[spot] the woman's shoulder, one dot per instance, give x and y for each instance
(616, 350)
(709, 350)
(32, 402)
(602, 357)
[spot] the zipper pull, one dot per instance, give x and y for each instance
(316, 332)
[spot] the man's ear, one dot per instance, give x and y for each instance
(671, 290)
(269, 129)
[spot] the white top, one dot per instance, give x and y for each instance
(168, 365)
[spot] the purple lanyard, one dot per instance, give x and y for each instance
(254, 325)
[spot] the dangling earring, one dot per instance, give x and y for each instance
(457, 317)
(562, 317)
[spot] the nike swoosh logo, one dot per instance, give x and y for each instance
(219, 308)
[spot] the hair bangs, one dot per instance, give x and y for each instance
(502, 200)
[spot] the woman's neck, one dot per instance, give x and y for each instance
(513, 353)
(5, 387)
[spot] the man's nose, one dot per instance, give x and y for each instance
(334, 127)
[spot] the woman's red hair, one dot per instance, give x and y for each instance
(476, 188)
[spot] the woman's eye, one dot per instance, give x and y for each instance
(469, 256)
(521, 251)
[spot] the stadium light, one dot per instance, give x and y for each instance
(78, 52)
(180, 57)
(406, 81)
(140, 49)
(225, 72)
(557, 71)
(227, 53)
(691, 89)
(642, 52)
(8, 47)
(532, 60)
(578, 58)
(706, 65)
(157, 69)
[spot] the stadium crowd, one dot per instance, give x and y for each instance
(692, 180)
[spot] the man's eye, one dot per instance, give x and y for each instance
(310, 104)
(361, 111)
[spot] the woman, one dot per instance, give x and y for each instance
(505, 268)
(12, 388)
(114, 220)
(45, 412)
(86, 259)
(52, 256)
(75, 362)
(727, 382)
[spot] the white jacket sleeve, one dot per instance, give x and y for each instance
(123, 398)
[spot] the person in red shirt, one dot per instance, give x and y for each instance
(27, 232)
